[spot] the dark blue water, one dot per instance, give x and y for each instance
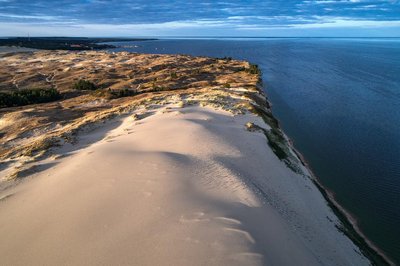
(339, 101)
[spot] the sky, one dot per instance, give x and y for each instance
(264, 18)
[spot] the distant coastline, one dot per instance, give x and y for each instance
(65, 43)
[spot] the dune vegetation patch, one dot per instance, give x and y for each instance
(28, 96)
(84, 85)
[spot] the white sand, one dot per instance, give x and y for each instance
(176, 188)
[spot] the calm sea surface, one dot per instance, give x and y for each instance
(339, 101)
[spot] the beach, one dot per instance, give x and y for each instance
(196, 176)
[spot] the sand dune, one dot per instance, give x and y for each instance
(184, 186)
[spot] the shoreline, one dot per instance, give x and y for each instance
(349, 223)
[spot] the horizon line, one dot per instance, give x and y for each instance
(231, 37)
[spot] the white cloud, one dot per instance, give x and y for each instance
(242, 24)
(38, 17)
(340, 22)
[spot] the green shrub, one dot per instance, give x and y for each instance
(174, 75)
(113, 94)
(84, 85)
(157, 89)
(123, 93)
(276, 142)
(253, 69)
(28, 96)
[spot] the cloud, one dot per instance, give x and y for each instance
(338, 22)
(176, 17)
(29, 17)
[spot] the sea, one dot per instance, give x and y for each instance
(338, 100)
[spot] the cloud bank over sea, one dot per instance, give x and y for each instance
(201, 18)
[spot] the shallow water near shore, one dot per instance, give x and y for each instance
(338, 100)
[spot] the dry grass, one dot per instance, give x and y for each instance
(30, 131)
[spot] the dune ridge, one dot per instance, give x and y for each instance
(190, 176)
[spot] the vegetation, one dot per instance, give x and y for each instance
(156, 88)
(84, 85)
(227, 58)
(275, 137)
(174, 75)
(253, 69)
(277, 143)
(28, 96)
(239, 69)
(114, 94)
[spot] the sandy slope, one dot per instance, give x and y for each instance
(185, 186)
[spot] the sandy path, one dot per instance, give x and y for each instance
(176, 188)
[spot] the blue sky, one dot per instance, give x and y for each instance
(345, 18)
